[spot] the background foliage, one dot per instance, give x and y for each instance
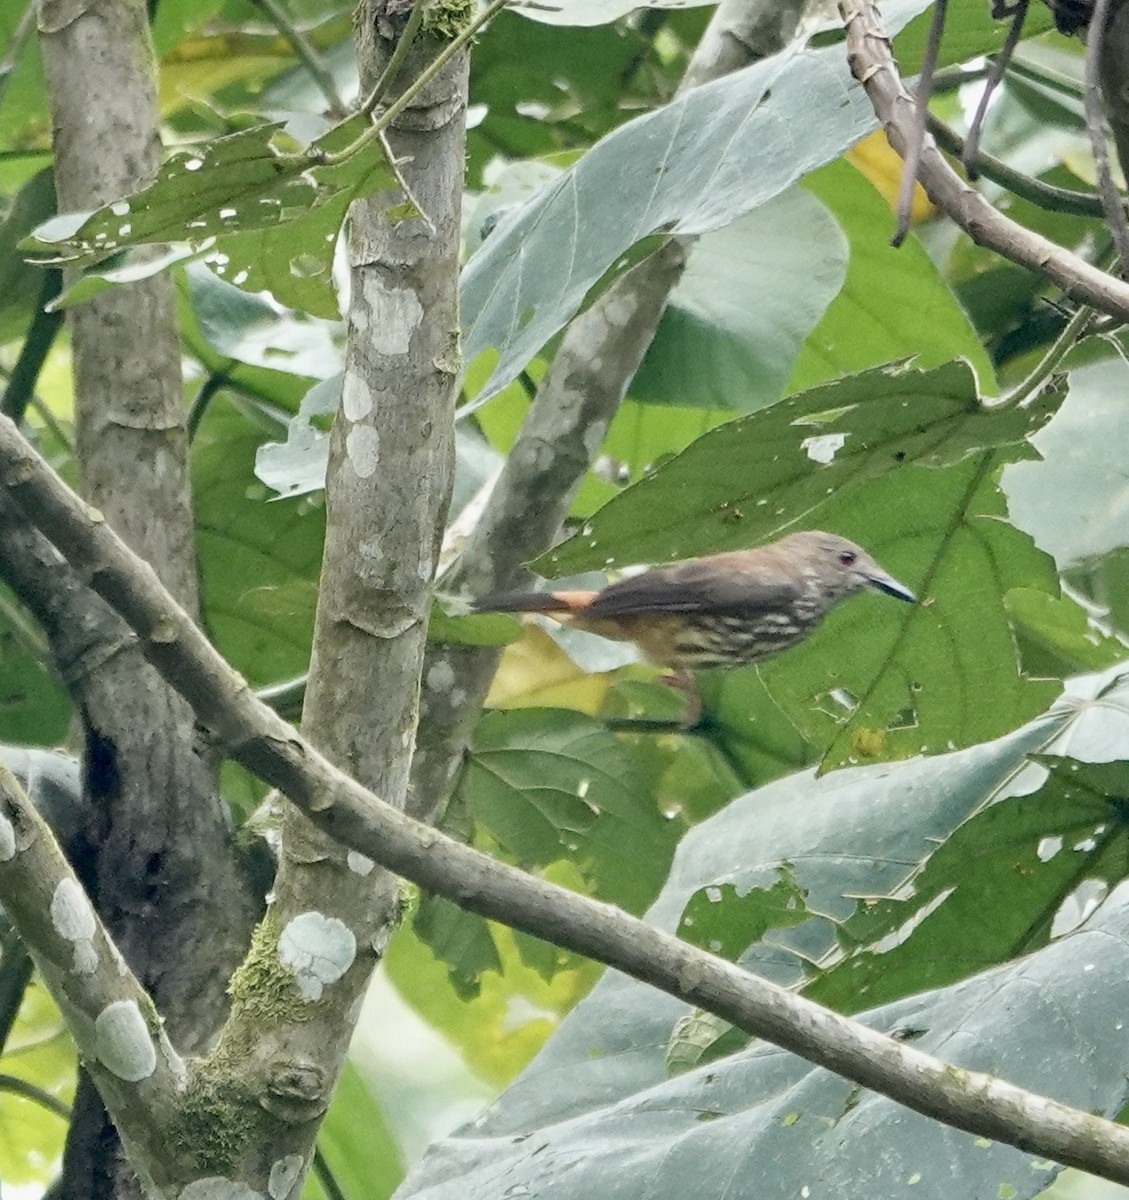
(805, 374)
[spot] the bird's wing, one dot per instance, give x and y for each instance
(704, 585)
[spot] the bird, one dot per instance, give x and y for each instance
(723, 610)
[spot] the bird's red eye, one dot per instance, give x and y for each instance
(847, 558)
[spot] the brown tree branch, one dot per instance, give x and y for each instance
(868, 50)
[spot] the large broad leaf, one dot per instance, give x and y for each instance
(756, 477)
(877, 679)
(549, 783)
(970, 30)
(918, 316)
(751, 293)
(266, 210)
(709, 156)
(885, 680)
(547, 786)
(1074, 502)
(927, 846)
(598, 1111)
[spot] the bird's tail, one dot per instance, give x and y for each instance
(539, 602)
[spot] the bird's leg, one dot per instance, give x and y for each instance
(684, 682)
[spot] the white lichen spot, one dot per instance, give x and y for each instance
(317, 950)
(823, 447)
(125, 229)
(618, 311)
(356, 397)
(371, 550)
(440, 676)
(283, 1176)
(358, 863)
(119, 208)
(240, 278)
(362, 445)
(217, 1187)
(73, 919)
(194, 164)
(226, 214)
(397, 313)
(122, 1041)
(457, 697)
(1048, 847)
(7, 839)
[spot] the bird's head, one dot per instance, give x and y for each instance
(837, 567)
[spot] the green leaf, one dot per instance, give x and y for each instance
(917, 316)
(34, 706)
(20, 282)
(725, 919)
(595, 1093)
(712, 154)
(750, 295)
(550, 783)
(1061, 632)
(266, 211)
(756, 477)
(970, 30)
(885, 680)
(259, 562)
(462, 940)
(1051, 845)
(1073, 501)
(356, 1143)
(40, 1052)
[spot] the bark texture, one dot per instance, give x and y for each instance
(159, 862)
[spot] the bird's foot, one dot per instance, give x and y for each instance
(684, 682)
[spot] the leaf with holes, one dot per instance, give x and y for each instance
(756, 477)
(266, 211)
(601, 1090)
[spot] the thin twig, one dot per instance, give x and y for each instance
(1046, 195)
(868, 52)
(1095, 126)
(912, 156)
(388, 75)
(407, 97)
(999, 65)
(307, 55)
(29, 1091)
(437, 64)
(1029, 388)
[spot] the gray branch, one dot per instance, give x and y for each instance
(118, 1032)
(257, 737)
(162, 866)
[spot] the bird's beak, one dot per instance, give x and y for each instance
(889, 585)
